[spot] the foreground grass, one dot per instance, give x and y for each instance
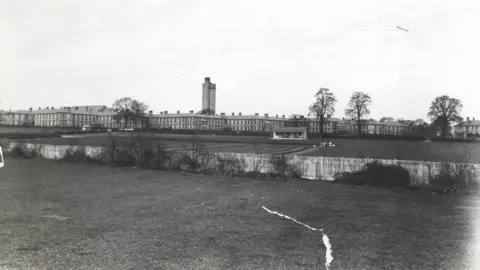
(60, 216)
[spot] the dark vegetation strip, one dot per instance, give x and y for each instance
(148, 153)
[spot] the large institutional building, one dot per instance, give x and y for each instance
(469, 129)
(102, 116)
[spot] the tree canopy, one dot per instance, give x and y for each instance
(443, 111)
(358, 108)
(324, 105)
(130, 111)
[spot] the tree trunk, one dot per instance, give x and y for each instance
(322, 120)
(359, 126)
(444, 127)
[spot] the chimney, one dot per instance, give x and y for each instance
(276, 116)
(233, 113)
(161, 112)
(283, 116)
(86, 108)
(222, 114)
(256, 114)
(191, 112)
(30, 109)
(329, 115)
(266, 115)
(150, 112)
(47, 108)
(473, 119)
(69, 109)
(165, 112)
(240, 113)
(39, 108)
(76, 108)
(178, 112)
(468, 119)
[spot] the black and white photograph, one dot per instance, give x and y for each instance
(218, 134)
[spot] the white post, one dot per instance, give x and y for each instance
(2, 162)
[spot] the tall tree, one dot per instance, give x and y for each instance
(387, 119)
(358, 108)
(443, 111)
(130, 111)
(324, 105)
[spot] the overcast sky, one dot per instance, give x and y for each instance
(264, 56)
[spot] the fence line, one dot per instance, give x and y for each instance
(313, 168)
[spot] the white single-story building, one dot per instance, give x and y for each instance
(290, 133)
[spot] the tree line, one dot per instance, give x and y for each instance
(443, 111)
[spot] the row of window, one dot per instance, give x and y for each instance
(64, 116)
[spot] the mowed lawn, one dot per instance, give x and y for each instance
(66, 216)
(383, 149)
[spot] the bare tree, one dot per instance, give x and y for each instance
(358, 108)
(130, 110)
(324, 105)
(445, 110)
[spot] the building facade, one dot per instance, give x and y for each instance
(468, 130)
(102, 116)
(374, 127)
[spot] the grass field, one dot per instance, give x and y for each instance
(63, 216)
(402, 150)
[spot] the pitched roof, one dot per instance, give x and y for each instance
(470, 123)
(74, 109)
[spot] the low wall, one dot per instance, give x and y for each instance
(313, 168)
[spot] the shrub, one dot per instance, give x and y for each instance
(455, 178)
(21, 150)
(5, 144)
(376, 174)
(125, 156)
(229, 164)
(75, 154)
(293, 171)
(100, 156)
(283, 167)
(194, 156)
(155, 158)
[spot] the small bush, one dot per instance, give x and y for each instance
(75, 154)
(194, 157)
(283, 167)
(293, 171)
(126, 156)
(155, 158)
(378, 175)
(230, 164)
(22, 151)
(455, 178)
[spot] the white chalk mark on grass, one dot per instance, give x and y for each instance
(57, 217)
(326, 241)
